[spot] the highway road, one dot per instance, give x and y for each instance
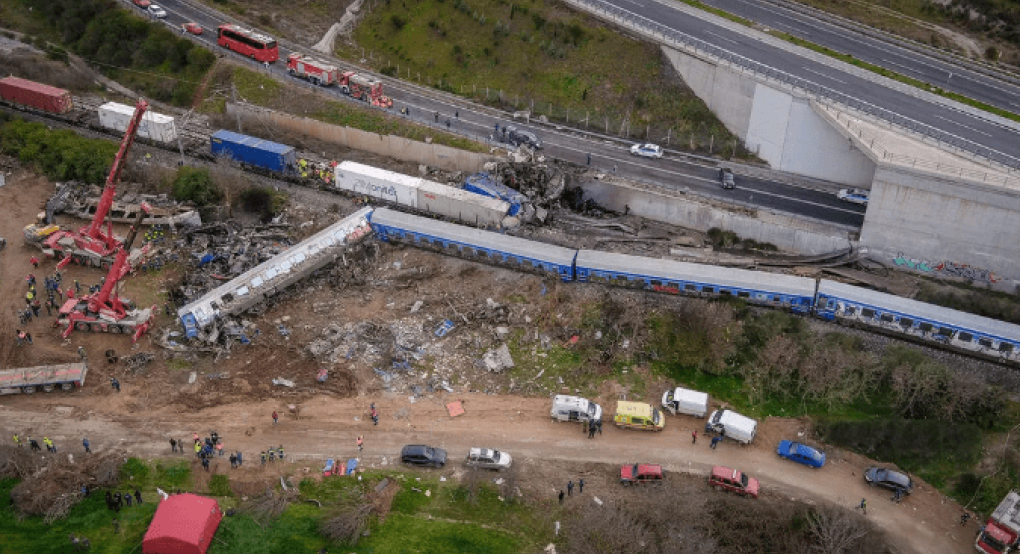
(949, 76)
(974, 131)
(677, 170)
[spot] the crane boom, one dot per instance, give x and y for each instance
(95, 229)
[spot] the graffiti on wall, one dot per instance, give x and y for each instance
(946, 268)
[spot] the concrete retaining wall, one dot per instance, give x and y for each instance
(944, 227)
(433, 155)
(782, 128)
(786, 232)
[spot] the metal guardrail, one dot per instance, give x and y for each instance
(759, 69)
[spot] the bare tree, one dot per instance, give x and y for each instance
(348, 524)
(836, 530)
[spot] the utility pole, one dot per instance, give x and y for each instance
(233, 100)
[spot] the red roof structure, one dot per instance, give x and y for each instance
(183, 524)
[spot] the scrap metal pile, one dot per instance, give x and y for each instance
(81, 200)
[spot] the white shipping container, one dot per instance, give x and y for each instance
(461, 205)
(378, 183)
(154, 126)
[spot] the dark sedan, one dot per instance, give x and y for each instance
(889, 478)
(421, 455)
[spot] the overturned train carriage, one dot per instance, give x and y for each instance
(274, 275)
(758, 287)
(918, 320)
(474, 244)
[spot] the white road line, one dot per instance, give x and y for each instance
(720, 37)
(802, 201)
(985, 84)
(791, 28)
(908, 68)
(962, 125)
(808, 69)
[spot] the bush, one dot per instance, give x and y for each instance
(398, 22)
(195, 185)
(909, 443)
(60, 155)
(263, 201)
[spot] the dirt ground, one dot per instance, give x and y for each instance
(234, 396)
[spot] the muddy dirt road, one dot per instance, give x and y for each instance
(925, 522)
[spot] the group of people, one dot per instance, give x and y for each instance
(53, 287)
(592, 427)
(34, 444)
(271, 454)
(570, 488)
(116, 501)
(321, 171)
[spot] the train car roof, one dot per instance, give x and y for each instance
(253, 142)
(379, 173)
(488, 202)
(669, 270)
(978, 324)
(129, 111)
(471, 236)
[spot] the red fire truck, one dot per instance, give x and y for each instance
(247, 42)
(316, 71)
(364, 88)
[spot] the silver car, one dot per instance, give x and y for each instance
(157, 11)
(488, 459)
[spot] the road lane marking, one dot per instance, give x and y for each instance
(720, 37)
(962, 125)
(808, 69)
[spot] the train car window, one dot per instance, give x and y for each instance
(690, 288)
(744, 294)
(965, 337)
(887, 317)
(926, 327)
(725, 292)
(709, 290)
(867, 312)
(851, 310)
(622, 278)
(987, 343)
(906, 322)
(1005, 347)
(945, 331)
(656, 283)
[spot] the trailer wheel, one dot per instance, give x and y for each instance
(96, 327)
(315, 81)
(115, 329)
(291, 71)
(81, 326)
(47, 388)
(29, 390)
(104, 265)
(66, 386)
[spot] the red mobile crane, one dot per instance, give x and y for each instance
(91, 245)
(106, 311)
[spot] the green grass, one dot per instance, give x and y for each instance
(403, 534)
(534, 51)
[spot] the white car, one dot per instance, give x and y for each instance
(488, 459)
(854, 196)
(648, 150)
(157, 11)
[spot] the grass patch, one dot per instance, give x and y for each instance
(958, 296)
(219, 485)
(403, 533)
(539, 56)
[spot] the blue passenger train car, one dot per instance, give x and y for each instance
(265, 154)
(473, 244)
(482, 183)
(769, 289)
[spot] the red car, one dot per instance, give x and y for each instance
(142, 3)
(733, 480)
(640, 473)
(191, 27)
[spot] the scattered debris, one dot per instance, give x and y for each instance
(444, 328)
(281, 382)
(498, 359)
(455, 408)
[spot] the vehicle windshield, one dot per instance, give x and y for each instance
(817, 455)
(991, 541)
(743, 480)
(591, 408)
(633, 471)
(496, 455)
(656, 416)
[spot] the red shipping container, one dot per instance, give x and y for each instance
(36, 95)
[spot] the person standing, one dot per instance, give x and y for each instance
(694, 436)
(589, 159)
(17, 440)
(205, 463)
(198, 448)
(263, 454)
(138, 497)
(219, 449)
(34, 261)
(561, 496)
(715, 441)
(276, 418)
(580, 485)
(115, 384)
(570, 488)
(173, 445)
(49, 444)
(240, 459)
(85, 443)
(233, 461)
(361, 443)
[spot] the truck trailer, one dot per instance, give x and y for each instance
(254, 151)
(27, 380)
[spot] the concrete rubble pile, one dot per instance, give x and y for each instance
(542, 183)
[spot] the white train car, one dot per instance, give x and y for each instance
(154, 126)
(421, 195)
(273, 275)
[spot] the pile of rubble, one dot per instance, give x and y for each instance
(80, 200)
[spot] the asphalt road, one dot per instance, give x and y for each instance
(676, 170)
(833, 83)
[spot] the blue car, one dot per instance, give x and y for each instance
(800, 453)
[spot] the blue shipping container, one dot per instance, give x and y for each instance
(482, 183)
(255, 151)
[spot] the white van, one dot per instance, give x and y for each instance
(733, 425)
(575, 408)
(685, 401)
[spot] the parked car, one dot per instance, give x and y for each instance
(518, 137)
(192, 27)
(142, 3)
(648, 150)
(801, 453)
(641, 474)
(724, 478)
(421, 455)
(889, 478)
(854, 196)
(157, 11)
(488, 459)
(726, 178)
